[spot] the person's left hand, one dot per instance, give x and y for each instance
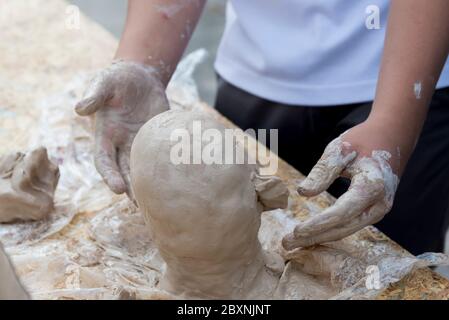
(368, 154)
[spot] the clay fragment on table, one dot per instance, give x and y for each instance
(27, 186)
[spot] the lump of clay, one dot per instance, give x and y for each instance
(204, 218)
(10, 287)
(27, 186)
(271, 191)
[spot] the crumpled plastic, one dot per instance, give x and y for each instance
(95, 244)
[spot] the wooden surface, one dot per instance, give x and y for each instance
(39, 55)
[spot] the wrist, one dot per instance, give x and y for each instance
(137, 60)
(134, 51)
(132, 56)
(374, 135)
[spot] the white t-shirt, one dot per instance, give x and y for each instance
(305, 52)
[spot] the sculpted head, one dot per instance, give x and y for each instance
(204, 218)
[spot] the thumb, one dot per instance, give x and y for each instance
(334, 160)
(96, 96)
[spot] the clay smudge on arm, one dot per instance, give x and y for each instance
(168, 11)
(417, 89)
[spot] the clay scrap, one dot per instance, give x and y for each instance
(27, 186)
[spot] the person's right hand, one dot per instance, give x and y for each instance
(123, 97)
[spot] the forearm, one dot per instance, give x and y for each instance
(158, 31)
(416, 47)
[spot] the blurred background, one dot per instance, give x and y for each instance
(112, 14)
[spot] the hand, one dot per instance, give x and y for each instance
(369, 155)
(123, 97)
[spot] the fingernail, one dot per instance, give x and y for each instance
(288, 242)
(84, 104)
(116, 185)
(301, 190)
(302, 230)
(79, 107)
(304, 186)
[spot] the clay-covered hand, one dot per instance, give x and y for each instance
(368, 156)
(123, 97)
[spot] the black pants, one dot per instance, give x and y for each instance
(420, 215)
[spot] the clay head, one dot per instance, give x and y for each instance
(204, 218)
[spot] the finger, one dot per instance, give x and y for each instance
(334, 160)
(361, 194)
(96, 96)
(123, 162)
(371, 216)
(106, 164)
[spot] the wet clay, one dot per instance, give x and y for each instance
(10, 287)
(27, 186)
(204, 219)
